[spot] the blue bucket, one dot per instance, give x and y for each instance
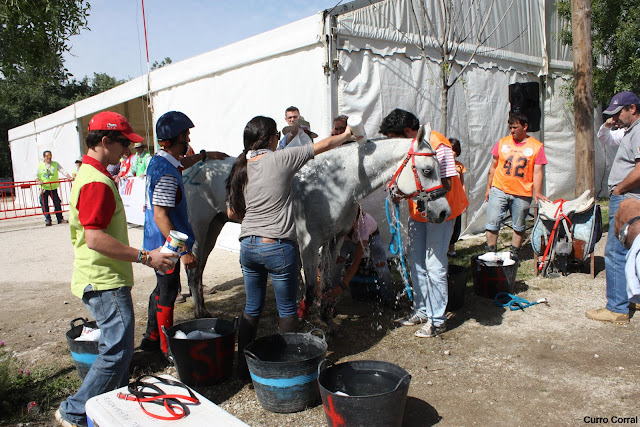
(284, 370)
(84, 353)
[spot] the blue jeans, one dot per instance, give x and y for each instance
(44, 204)
(427, 252)
(501, 202)
(614, 260)
(113, 313)
(279, 260)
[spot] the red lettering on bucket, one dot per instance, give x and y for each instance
(336, 419)
(196, 353)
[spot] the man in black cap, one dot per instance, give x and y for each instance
(624, 182)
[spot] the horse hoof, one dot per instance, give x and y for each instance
(206, 290)
(203, 314)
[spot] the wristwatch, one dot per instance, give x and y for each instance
(203, 154)
(624, 230)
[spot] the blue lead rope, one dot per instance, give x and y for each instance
(395, 247)
(504, 299)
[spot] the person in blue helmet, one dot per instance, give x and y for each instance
(166, 210)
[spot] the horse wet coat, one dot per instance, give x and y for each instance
(325, 192)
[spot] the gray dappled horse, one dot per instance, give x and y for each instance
(325, 192)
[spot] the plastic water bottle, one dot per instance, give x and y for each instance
(33, 408)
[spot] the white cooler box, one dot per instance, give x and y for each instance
(108, 410)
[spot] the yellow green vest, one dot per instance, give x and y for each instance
(141, 164)
(48, 175)
(91, 267)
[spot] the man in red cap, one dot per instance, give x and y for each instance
(102, 272)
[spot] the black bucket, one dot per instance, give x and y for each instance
(489, 278)
(364, 393)
(204, 361)
(84, 353)
(284, 370)
(457, 285)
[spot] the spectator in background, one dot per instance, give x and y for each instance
(339, 125)
(291, 114)
(457, 227)
(47, 176)
(140, 160)
(124, 165)
(75, 172)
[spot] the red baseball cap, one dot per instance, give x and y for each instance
(108, 120)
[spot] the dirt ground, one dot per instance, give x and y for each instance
(546, 365)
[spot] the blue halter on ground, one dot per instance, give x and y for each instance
(395, 247)
(504, 299)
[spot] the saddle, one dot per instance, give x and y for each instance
(566, 230)
(551, 210)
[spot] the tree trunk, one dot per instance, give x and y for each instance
(583, 96)
(443, 107)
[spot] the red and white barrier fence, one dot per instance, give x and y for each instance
(22, 199)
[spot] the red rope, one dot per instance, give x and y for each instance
(144, 23)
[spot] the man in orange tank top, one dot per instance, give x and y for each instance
(515, 177)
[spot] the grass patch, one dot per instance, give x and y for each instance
(604, 207)
(47, 386)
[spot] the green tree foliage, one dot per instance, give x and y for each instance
(25, 97)
(616, 45)
(34, 34)
(165, 61)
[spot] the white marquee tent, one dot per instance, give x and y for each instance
(361, 58)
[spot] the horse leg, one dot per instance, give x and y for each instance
(309, 258)
(201, 249)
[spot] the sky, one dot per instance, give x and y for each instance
(178, 29)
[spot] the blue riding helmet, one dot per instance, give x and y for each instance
(172, 124)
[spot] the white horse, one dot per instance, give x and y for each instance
(326, 192)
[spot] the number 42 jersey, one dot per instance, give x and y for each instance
(514, 173)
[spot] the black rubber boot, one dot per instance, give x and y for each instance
(288, 324)
(515, 253)
(246, 333)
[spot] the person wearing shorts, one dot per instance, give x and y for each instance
(515, 177)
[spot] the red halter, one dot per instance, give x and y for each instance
(429, 193)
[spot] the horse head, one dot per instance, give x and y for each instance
(419, 178)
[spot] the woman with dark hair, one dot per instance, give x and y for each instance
(259, 195)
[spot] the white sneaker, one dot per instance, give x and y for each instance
(62, 421)
(429, 330)
(412, 320)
